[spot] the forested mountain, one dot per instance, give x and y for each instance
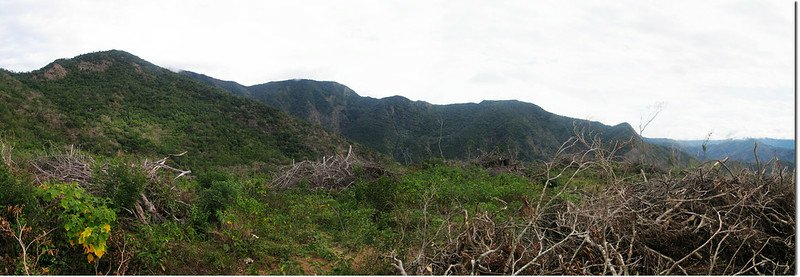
(736, 149)
(114, 103)
(265, 189)
(413, 130)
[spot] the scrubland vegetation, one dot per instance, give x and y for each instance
(585, 212)
(112, 165)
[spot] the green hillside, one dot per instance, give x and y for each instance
(114, 103)
(262, 192)
(414, 130)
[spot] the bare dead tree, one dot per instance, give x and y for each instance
(644, 121)
(153, 168)
(652, 113)
(439, 140)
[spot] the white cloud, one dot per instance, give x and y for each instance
(722, 65)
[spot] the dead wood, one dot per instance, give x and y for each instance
(331, 172)
(712, 220)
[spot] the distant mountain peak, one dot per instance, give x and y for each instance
(95, 62)
(113, 53)
(323, 87)
(114, 103)
(624, 126)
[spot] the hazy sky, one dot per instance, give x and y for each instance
(715, 66)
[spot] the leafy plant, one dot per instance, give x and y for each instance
(123, 185)
(14, 192)
(86, 219)
(217, 197)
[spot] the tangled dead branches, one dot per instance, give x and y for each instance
(146, 210)
(711, 221)
(497, 162)
(31, 248)
(71, 166)
(334, 172)
(152, 168)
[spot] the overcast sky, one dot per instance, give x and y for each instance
(715, 66)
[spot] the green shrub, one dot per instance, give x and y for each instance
(199, 218)
(85, 218)
(159, 247)
(123, 185)
(205, 180)
(380, 194)
(218, 196)
(14, 192)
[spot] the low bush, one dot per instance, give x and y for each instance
(123, 185)
(15, 192)
(86, 219)
(218, 196)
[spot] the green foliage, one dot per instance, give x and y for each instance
(380, 194)
(86, 219)
(217, 196)
(456, 186)
(414, 131)
(123, 185)
(13, 192)
(206, 179)
(153, 245)
(113, 103)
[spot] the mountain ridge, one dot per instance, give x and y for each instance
(412, 130)
(736, 149)
(115, 103)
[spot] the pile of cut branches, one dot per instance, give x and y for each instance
(70, 166)
(497, 162)
(156, 207)
(713, 220)
(331, 172)
(74, 166)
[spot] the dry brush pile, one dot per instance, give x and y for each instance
(712, 220)
(72, 165)
(339, 171)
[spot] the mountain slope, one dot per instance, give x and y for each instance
(738, 149)
(415, 130)
(114, 103)
(26, 114)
